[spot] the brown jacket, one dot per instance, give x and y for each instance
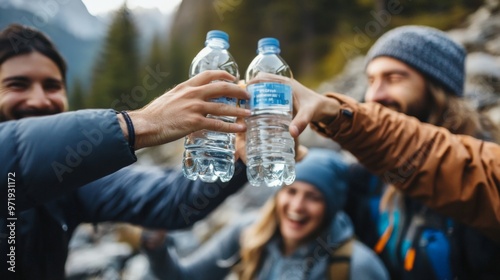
(456, 175)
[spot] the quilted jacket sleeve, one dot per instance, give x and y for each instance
(212, 260)
(154, 197)
(457, 175)
(49, 156)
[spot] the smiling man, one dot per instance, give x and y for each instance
(419, 71)
(396, 85)
(56, 163)
(28, 91)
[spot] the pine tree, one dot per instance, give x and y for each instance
(115, 82)
(77, 96)
(155, 84)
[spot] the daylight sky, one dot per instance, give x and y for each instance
(96, 7)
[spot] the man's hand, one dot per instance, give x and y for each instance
(183, 110)
(309, 106)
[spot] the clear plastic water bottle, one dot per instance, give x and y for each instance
(209, 155)
(270, 147)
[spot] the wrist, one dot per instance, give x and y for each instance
(128, 129)
(142, 130)
(123, 124)
(327, 112)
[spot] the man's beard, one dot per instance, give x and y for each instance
(391, 105)
(422, 114)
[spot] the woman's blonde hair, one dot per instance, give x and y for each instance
(254, 239)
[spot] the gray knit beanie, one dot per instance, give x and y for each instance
(325, 170)
(428, 50)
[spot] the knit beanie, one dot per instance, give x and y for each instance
(325, 170)
(428, 50)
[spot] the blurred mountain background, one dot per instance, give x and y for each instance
(108, 55)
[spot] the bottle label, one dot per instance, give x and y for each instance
(270, 95)
(226, 100)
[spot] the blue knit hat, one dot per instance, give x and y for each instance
(428, 50)
(325, 170)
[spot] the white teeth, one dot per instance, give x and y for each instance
(295, 217)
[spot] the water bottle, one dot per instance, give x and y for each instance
(269, 147)
(209, 155)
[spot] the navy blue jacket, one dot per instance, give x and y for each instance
(53, 171)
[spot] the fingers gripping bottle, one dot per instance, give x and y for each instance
(269, 147)
(209, 155)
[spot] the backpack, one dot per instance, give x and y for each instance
(428, 245)
(423, 246)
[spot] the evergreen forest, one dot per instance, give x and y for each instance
(317, 38)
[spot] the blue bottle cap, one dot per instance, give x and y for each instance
(268, 42)
(218, 34)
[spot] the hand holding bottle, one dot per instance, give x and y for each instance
(310, 106)
(209, 154)
(184, 109)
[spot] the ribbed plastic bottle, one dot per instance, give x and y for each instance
(209, 155)
(269, 147)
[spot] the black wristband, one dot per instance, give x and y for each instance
(131, 131)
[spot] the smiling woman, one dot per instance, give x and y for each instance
(300, 234)
(96, 7)
(301, 211)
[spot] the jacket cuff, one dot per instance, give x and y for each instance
(343, 118)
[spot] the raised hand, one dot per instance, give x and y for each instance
(183, 110)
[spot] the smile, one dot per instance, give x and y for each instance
(297, 218)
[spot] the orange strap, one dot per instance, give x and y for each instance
(382, 242)
(391, 195)
(410, 259)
